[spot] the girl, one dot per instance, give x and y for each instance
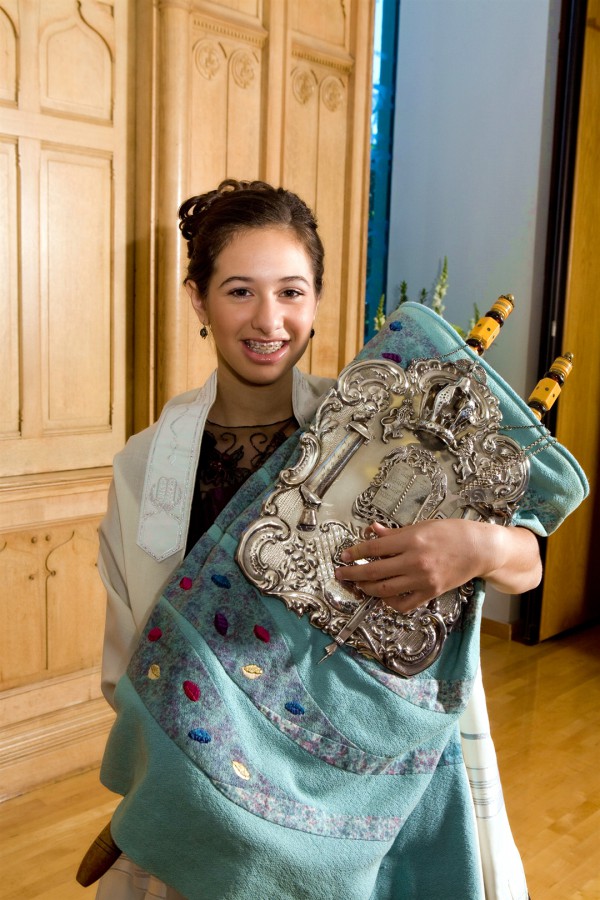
(268, 809)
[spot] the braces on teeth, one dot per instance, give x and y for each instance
(264, 347)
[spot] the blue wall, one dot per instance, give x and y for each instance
(472, 154)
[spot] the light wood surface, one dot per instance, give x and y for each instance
(544, 705)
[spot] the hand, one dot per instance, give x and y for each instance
(412, 565)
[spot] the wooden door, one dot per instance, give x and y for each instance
(572, 569)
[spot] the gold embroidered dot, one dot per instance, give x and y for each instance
(240, 769)
(252, 671)
(154, 671)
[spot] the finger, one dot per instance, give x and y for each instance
(377, 529)
(405, 603)
(385, 588)
(390, 544)
(377, 570)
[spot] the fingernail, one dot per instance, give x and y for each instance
(345, 556)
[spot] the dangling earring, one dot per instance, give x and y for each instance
(204, 332)
(312, 332)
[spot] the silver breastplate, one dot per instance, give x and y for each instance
(388, 445)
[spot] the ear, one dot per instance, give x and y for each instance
(197, 301)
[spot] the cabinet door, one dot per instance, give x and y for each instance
(63, 151)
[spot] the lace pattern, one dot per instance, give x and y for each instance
(228, 456)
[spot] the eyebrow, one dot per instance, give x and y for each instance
(248, 280)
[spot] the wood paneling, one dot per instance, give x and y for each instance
(9, 292)
(90, 93)
(277, 90)
(270, 89)
(8, 58)
(64, 226)
(76, 335)
(59, 741)
(570, 594)
(52, 602)
(62, 187)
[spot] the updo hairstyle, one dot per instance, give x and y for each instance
(210, 221)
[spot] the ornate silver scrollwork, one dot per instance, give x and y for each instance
(396, 446)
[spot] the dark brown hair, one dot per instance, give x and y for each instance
(210, 221)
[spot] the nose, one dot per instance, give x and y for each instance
(268, 315)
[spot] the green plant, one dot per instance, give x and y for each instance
(433, 298)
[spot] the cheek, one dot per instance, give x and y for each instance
(307, 315)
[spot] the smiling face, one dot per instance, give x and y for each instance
(260, 305)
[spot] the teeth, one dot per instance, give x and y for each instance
(264, 346)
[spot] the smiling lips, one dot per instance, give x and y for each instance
(265, 347)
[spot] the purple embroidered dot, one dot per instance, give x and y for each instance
(393, 357)
(396, 326)
(295, 708)
(221, 580)
(154, 634)
(200, 735)
(262, 634)
(221, 623)
(191, 690)
(185, 583)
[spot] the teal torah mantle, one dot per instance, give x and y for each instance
(247, 770)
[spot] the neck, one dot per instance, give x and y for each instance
(239, 403)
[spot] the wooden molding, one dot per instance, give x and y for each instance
(31, 501)
(51, 746)
(322, 56)
(502, 630)
(257, 36)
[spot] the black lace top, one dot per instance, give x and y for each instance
(228, 456)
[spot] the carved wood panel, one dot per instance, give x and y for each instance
(8, 56)
(9, 311)
(277, 91)
(63, 143)
(75, 293)
(52, 602)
